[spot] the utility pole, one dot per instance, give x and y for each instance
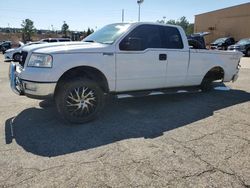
(139, 2)
(122, 15)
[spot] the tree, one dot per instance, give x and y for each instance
(173, 22)
(190, 29)
(89, 31)
(28, 29)
(183, 22)
(65, 29)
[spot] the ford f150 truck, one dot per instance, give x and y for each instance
(118, 58)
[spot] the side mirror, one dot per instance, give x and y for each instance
(131, 44)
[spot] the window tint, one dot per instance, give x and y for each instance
(53, 40)
(171, 38)
(141, 38)
(152, 36)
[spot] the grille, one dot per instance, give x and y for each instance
(23, 58)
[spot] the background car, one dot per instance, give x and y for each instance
(222, 43)
(243, 46)
(5, 46)
(15, 53)
(56, 40)
(197, 41)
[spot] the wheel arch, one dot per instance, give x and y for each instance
(87, 72)
(215, 73)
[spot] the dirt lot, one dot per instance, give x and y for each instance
(181, 140)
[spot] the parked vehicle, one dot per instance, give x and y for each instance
(15, 53)
(5, 46)
(56, 40)
(119, 58)
(197, 41)
(243, 46)
(222, 43)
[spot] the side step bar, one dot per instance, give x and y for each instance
(157, 92)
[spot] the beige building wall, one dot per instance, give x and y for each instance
(232, 21)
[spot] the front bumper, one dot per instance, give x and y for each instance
(238, 49)
(29, 88)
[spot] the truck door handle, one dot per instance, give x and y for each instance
(163, 57)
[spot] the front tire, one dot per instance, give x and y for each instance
(17, 57)
(248, 53)
(79, 100)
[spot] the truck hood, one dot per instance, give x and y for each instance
(64, 47)
(10, 50)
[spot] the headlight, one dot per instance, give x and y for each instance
(40, 60)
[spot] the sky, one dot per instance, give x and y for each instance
(81, 14)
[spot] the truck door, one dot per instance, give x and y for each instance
(141, 63)
(177, 57)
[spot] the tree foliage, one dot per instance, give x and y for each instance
(28, 29)
(183, 22)
(65, 29)
(89, 31)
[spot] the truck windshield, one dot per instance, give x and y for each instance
(108, 34)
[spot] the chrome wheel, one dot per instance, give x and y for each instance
(81, 101)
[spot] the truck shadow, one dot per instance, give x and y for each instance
(40, 131)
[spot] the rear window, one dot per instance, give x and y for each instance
(172, 38)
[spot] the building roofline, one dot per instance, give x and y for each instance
(223, 9)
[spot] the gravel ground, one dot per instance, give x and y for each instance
(179, 140)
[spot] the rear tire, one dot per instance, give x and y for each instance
(79, 100)
(206, 85)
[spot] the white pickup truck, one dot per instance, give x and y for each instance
(119, 58)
